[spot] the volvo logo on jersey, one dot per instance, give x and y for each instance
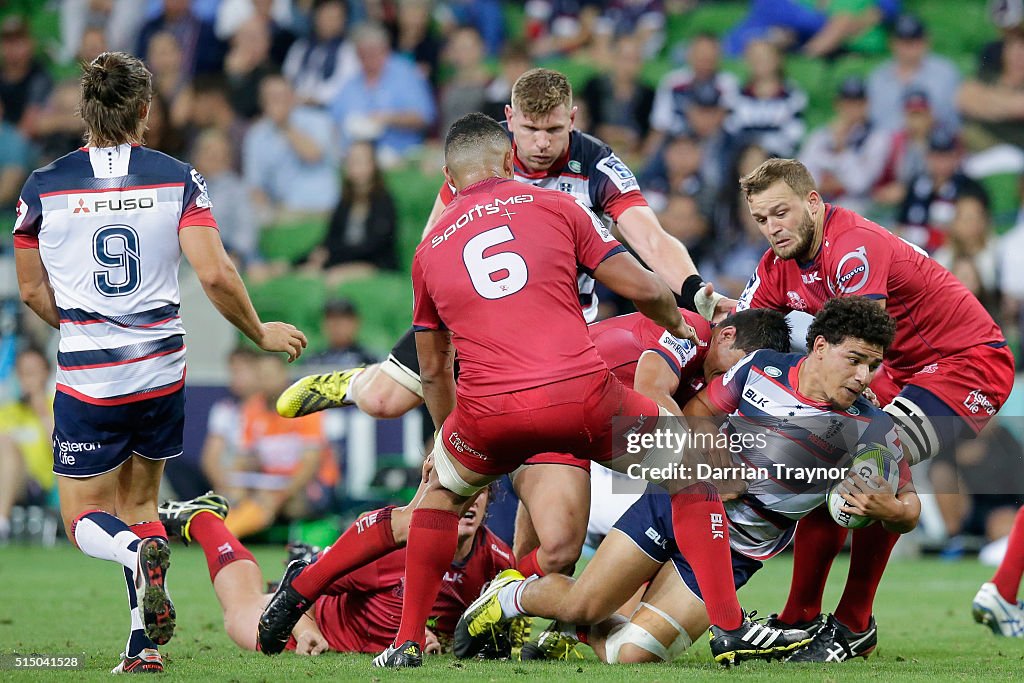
(112, 202)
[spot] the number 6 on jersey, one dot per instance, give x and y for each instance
(481, 268)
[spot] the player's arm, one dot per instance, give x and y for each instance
(34, 285)
(437, 362)
(309, 640)
(898, 512)
(624, 275)
(222, 284)
(656, 380)
(665, 254)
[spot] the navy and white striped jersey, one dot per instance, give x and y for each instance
(794, 438)
(106, 222)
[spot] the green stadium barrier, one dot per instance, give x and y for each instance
(295, 299)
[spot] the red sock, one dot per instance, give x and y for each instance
(368, 539)
(530, 565)
(1007, 578)
(702, 536)
(868, 557)
(150, 530)
(219, 545)
(583, 634)
(818, 540)
(433, 539)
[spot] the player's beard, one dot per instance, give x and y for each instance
(800, 245)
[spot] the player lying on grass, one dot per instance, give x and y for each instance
(551, 523)
(762, 395)
(358, 613)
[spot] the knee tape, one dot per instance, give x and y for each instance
(917, 433)
(447, 474)
(394, 369)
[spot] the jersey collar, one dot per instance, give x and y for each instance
(794, 384)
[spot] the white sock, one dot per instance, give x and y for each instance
(137, 638)
(105, 537)
(510, 598)
(352, 395)
(568, 630)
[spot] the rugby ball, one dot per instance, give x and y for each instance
(870, 460)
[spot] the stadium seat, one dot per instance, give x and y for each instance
(709, 17)
(964, 30)
(812, 75)
(414, 193)
(576, 70)
(384, 302)
(292, 240)
(295, 299)
(1004, 197)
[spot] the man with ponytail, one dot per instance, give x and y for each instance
(98, 238)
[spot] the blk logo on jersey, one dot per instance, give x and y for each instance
(106, 203)
(658, 539)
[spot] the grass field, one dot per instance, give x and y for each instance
(60, 602)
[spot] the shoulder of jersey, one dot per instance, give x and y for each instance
(771, 361)
(158, 161)
(586, 149)
(64, 164)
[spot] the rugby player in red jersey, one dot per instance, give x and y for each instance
(502, 258)
(547, 153)
(945, 376)
(358, 613)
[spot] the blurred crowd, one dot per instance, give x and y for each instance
(295, 111)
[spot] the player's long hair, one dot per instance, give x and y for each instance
(116, 90)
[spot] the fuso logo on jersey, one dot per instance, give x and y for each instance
(853, 271)
(103, 203)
